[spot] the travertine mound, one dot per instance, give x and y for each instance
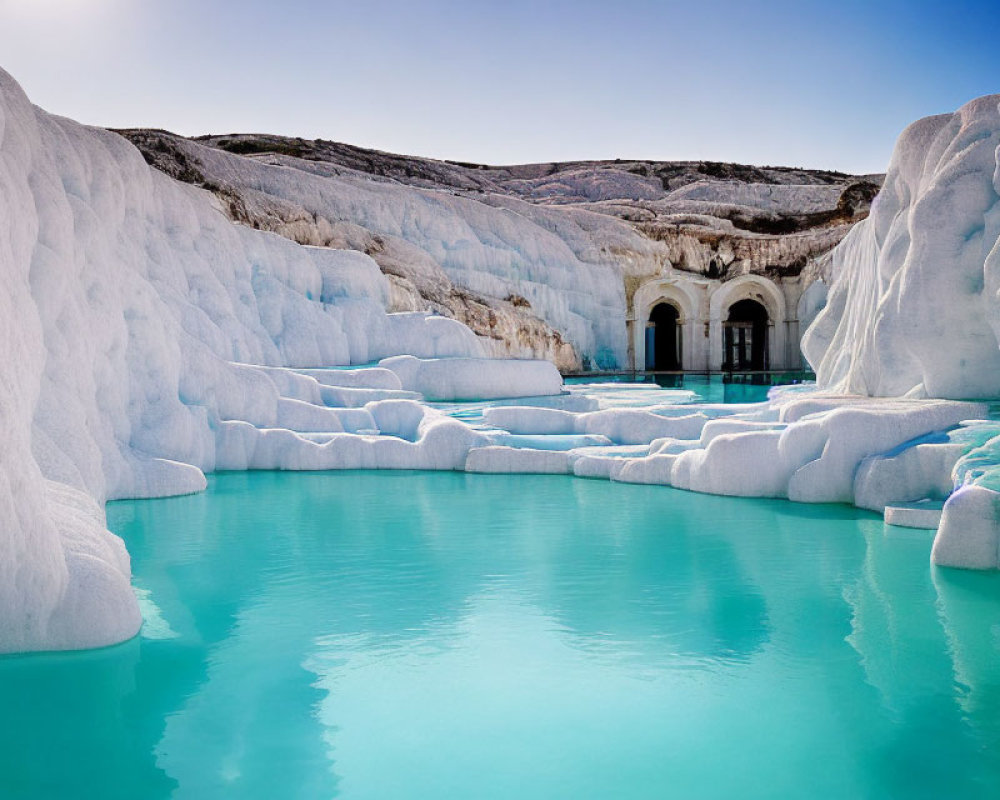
(541, 260)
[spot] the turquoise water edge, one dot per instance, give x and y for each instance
(448, 635)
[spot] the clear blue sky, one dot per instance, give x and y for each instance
(818, 84)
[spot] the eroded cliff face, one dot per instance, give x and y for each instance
(540, 260)
(914, 307)
(417, 282)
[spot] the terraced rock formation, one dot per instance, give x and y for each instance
(540, 260)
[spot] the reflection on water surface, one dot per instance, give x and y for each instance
(446, 635)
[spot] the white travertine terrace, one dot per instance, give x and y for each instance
(148, 340)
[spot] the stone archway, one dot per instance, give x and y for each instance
(664, 339)
(767, 296)
(676, 295)
(745, 337)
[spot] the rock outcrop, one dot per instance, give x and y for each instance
(137, 327)
(914, 308)
(508, 250)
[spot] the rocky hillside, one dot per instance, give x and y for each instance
(512, 251)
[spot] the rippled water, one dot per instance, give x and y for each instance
(429, 635)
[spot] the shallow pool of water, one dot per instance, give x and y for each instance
(713, 388)
(442, 635)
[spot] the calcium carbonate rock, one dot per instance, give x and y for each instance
(540, 260)
(969, 535)
(913, 310)
(921, 471)
(806, 447)
(622, 426)
(475, 378)
(147, 340)
(923, 514)
(499, 459)
(137, 324)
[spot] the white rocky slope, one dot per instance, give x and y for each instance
(131, 309)
(147, 339)
(915, 309)
(915, 306)
(446, 251)
(542, 259)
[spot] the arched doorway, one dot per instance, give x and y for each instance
(744, 341)
(663, 338)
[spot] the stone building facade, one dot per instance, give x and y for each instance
(691, 323)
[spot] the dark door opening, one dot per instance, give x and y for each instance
(745, 344)
(663, 339)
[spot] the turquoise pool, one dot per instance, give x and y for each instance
(709, 388)
(442, 635)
